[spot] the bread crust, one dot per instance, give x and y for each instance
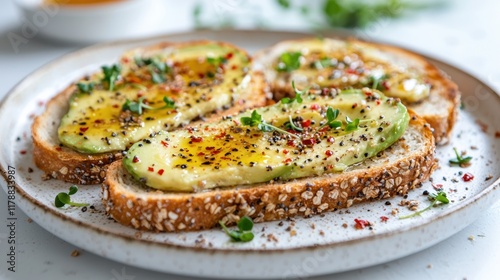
(62, 163)
(442, 88)
(146, 209)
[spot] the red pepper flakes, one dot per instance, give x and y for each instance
(140, 94)
(329, 167)
(468, 177)
(378, 102)
(309, 142)
(83, 129)
(151, 169)
(201, 75)
(285, 151)
(58, 149)
(385, 84)
(497, 134)
(135, 159)
(288, 160)
(354, 105)
(99, 121)
(116, 106)
(306, 123)
(221, 135)
(314, 107)
(331, 139)
(160, 172)
(361, 224)
(196, 139)
(328, 153)
(200, 154)
(324, 128)
(209, 148)
(290, 143)
(22, 152)
(164, 143)
(384, 218)
(368, 93)
(351, 71)
(234, 67)
(229, 55)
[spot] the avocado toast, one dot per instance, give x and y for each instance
(301, 156)
(332, 63)
(93, 121)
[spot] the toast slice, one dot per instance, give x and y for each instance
(63, 163)
(398, 169)
(439, 108)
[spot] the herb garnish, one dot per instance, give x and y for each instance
(323, 63)
(439, 198)
(216, 61)
(156, 68)
(331, 115)
(291, 125)
(137, 107)
(244, 233)
(351, 125)
(298, 95)
(63, 198)
(85, 87)
(256, 120)
(111, 74)
(376, 81)
(461, 161)
(289, 61)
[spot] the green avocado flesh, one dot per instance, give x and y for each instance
(198, 77)
(327, 63)
(229, 153)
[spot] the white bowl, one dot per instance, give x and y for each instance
(88, 23)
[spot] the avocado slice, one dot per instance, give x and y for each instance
(322, 134)
(171, 86)
(328, 63)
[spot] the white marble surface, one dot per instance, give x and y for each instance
(465, 34)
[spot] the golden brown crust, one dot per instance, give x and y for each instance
(441, 87)
(65, 164)
(132, 205)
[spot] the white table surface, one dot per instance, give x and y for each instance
(465, 34)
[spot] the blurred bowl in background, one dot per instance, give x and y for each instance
(89, 21)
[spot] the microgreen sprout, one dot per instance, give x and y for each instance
(289, 61)
(244, 232)
(216, 61)
(85, 87)
(298, 95)
(256, 120)
(138, 106)
(351, 124)
(376, 81)
(63, 198)
(331, 115)
(461, 161)
(290, 124)
(111, 74)
(156, 68)
(439, 198)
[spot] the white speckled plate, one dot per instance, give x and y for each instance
(302, 247)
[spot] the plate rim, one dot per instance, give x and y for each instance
(495, 185)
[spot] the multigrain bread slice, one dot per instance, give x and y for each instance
(439, 109)
(63, 163)
(400, 168)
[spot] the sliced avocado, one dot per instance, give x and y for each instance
(195, 77)
(330, 63)
(327, 134)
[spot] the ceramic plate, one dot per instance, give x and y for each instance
(292, 248)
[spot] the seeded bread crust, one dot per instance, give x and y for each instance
(440, 109)
(62, 163)
(402, 167)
